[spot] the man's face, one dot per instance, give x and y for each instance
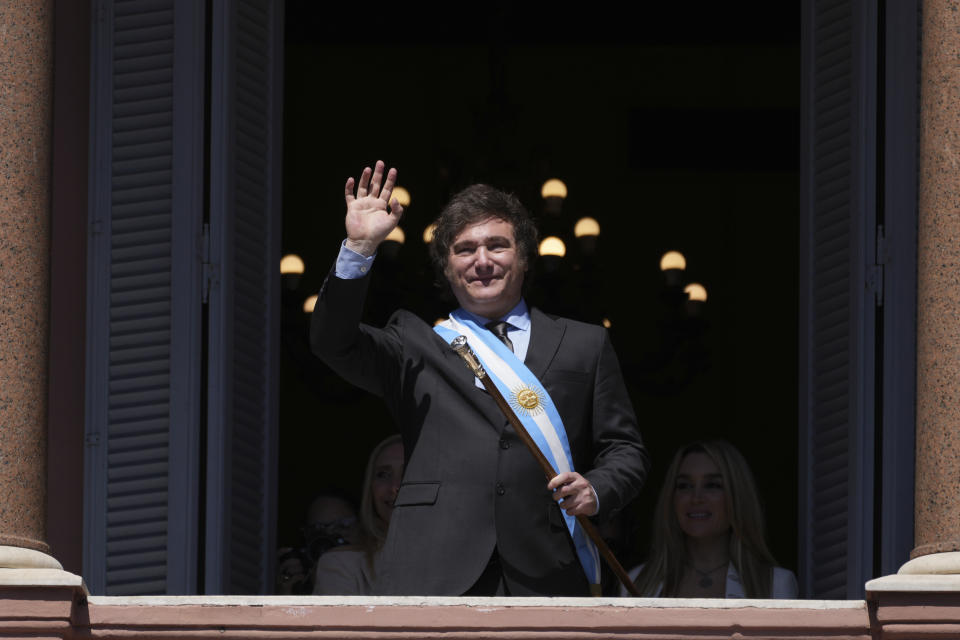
(484, 269)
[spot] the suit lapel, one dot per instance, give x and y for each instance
(466, 384)
(545, 336)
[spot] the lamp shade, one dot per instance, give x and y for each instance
(291, 264)
(402, 195)
(428, 233)
(553, 246)
(673, 260)
(397, 235)
(553, 188)
(586, 227)
(695, 292)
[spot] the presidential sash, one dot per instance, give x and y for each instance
(533, 407)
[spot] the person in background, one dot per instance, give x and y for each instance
(352, 570)
(708, 532)
(331, 522)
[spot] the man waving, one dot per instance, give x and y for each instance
(473, 515)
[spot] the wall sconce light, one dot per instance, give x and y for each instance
(606, 323)
(390, 247)
(552, 251)
(428, 233)
(696, 298)
(291, 268)
(672, 265)
(695, 292)
(553, 192)
(586, 231)
(291, 264)
(310, 303)
(402, 195)
(397, 235)
(552, 246)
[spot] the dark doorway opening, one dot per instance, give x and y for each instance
(675, 130)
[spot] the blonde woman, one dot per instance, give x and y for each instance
(352, 570)
(708, 532)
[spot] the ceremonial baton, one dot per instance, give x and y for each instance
(460, 345)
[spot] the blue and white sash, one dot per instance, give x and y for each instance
(535, 409)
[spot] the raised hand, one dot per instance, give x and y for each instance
(368, 219)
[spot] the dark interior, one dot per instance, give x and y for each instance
(676, 127)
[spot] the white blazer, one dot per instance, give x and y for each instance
(784, 583)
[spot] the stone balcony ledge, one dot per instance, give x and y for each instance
(476, 602)
(399, 618)
(60, 607)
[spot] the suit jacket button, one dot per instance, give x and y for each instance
(504, 444)
(500, 489)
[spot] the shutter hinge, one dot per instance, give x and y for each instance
(208, 273)
(92, 439)
(875, 271)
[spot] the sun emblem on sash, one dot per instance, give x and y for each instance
(527, 400)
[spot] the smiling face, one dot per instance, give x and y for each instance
(484, 269)
(699, 497)
(387, 473)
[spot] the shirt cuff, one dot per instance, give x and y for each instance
(596, 499)
(351, 265)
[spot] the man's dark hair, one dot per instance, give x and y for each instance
(476, 204)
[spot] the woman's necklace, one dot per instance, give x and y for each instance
(705, 580)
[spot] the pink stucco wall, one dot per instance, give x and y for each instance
(67, 612)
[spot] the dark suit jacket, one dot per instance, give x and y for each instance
(469, 484)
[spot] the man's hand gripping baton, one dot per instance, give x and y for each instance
(460, 345)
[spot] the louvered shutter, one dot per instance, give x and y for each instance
(837, 320)
(143, 321)
(244, 299)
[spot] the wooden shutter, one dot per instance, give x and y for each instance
(244, 298)
(838, 308)
(143, 323)
(901, 30)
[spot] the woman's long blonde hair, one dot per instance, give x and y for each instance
(373, 530)
(748, 547)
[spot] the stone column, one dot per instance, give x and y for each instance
(923, 598)
(26, 74)
(937, 485)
